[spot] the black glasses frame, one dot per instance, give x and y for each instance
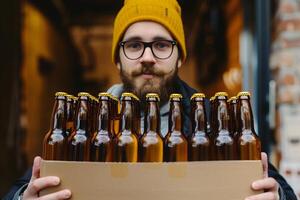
(148, 44)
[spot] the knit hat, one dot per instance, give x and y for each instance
(165, 12)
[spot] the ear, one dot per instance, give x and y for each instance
(179, 63)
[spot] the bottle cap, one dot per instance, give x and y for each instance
(198, 95)
(129, 94)
(244, 93)
(83, 94)
(61, 94)
(175, 95)
(221, 94)
(152, 95)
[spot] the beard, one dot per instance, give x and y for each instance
(164, 87)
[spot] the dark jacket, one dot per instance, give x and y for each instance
(285, 191)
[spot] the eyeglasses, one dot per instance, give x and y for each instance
(161, 49)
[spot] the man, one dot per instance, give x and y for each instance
(148, 48)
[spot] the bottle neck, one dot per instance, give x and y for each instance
(59, 115)
(103, 116)
(198, 117)
(213, 116)
(175, 117)
(82, 117)
(245, 114)
(152, 117)
(222, 115)
(127, 112)
(233, 117)
(70, 111)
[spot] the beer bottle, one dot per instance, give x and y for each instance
(249, 144)
(70, 126)
(93, 113)
(223, 142)
(102, 142)
(151, 143)
(126, 142)
(79, 141)
(137, 116)
(54, 144)
(213, 112)
(175, 144)
(233, 124)
(114, 115)
(199, 142)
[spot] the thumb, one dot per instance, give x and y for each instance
(36, 168)
(264, 160)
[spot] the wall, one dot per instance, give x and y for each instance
(49, 65)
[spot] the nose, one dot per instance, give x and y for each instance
(148, 56)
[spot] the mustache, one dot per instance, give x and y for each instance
(148, 70)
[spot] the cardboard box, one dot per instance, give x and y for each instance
(214, 180)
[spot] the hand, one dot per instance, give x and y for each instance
(269, 185)
(37, 184)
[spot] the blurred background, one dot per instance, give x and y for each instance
(65, 45)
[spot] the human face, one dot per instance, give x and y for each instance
(148, 73)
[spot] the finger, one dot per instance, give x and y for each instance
(36, 168)
(265, 184)
(264, 160)
(63, 194)
(41, 183)
(264, 196)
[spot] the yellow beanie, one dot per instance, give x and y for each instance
(165, 12)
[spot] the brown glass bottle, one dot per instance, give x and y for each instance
(79, 141)
(233, 122)
(93, 113)
(137, 116)
(199, 142)
(175, 143)
(115, 118)
(224, 147)
(70, 126)
(249, 144)
(54, 144)
(102, 140)
(126, 142)
(212, 120)
(151, 143)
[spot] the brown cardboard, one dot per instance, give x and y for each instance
(214, 180)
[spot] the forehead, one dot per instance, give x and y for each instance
(146, 31)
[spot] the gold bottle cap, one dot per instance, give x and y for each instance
(233, 98)
(244, 93)
(221, 94)
(129, 94)
(61, 94)
(104, 94)
(83, 94)
(152, 95)
(175, 95)
(198, 95)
